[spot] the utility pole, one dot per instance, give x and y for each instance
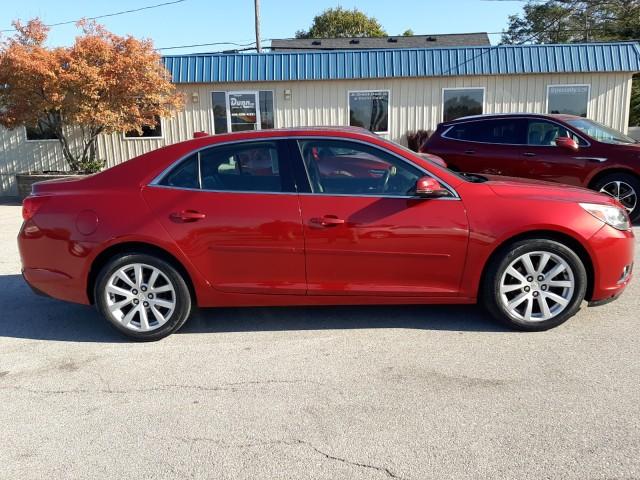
(257, 11)
(586, 21)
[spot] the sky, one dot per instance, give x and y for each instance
(192, 22)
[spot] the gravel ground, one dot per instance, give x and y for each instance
(340, 393)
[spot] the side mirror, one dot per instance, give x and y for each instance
(566, 142)
(429, 187)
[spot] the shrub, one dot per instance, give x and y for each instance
(416, 139)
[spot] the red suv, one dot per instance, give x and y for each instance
(557, 148)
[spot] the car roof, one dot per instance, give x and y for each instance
(289, 131)
(556, 116)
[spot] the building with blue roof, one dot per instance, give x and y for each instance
(390, 91)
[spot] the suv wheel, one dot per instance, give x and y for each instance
(623, 187)
(142, 296)
(534, 285)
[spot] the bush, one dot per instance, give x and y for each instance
(416, 139)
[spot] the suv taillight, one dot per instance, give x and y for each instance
(30, 206)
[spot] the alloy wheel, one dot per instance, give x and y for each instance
(623, 192)
(537, 286)
(140, 297)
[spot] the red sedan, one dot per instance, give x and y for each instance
(317, 217)
(557, 148)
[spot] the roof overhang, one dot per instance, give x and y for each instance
(405, 63)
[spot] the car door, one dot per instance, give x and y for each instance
(234, 212)
(542, 159)
(486, 146)
(365, 234)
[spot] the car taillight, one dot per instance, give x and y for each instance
(30, 206)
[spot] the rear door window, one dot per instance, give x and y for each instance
(239, 167)
(249, 167)
(183, 175)
(498, 131)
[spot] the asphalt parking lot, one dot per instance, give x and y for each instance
(353, 393)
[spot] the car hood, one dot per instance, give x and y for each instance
(511, 187)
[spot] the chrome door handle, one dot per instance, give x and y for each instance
(327, 221)
(186, 216)
(529, 154)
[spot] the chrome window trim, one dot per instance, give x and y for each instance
(593, 159)
(257, 192)
(443, 134)
(158, 178)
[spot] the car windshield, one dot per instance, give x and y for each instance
(599, 132)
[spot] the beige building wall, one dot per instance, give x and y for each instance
(415, 103)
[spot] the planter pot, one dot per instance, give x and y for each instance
(25, 180)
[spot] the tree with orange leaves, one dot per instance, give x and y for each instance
(103, 83)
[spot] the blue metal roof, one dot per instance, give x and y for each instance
(423, 62)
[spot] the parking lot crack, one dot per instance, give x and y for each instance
(293, 442)
(384, 470)
(233, 386)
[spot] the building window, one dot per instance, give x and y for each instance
(568, 99)
(266, 109)
(461, 102)
(147, 132)
(43, 130)
(243, 110)
(370, 110)
(219, 100)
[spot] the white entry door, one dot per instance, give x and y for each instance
(243, 112)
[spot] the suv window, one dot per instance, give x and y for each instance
(244, 167)
(543, 133)
(347, 168)
(500, 131)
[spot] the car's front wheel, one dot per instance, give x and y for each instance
(534, 284)
(625, 188)
(142, 296)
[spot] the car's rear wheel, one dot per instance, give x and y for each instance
(142, 296)
(534, 284)
(623, 187)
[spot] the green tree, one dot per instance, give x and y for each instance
(408, 33)
(340, 22)
(562, 21)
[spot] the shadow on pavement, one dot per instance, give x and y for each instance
(468, 318)
(24, 314)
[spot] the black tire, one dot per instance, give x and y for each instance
(490, 289)
(627, 178)
(182, 298)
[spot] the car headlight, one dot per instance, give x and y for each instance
(614, 216)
